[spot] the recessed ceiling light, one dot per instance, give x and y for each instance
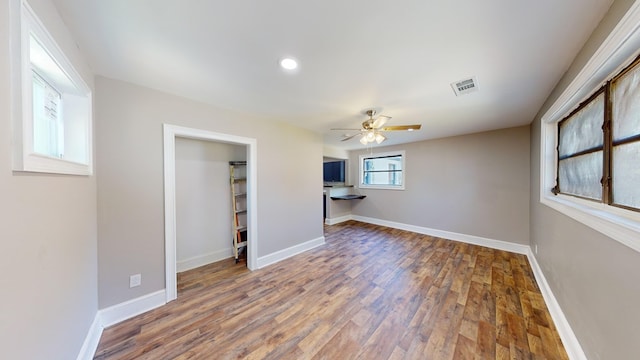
(288, 63)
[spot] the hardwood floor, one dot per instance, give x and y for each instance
(369, 293)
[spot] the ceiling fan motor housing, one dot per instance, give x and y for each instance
(368, 124)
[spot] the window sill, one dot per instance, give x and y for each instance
(45, 164)
(620, 225)
(381, 187)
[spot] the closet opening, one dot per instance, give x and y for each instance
(207, 220)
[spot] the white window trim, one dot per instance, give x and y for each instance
(24, 21)
(616, 52)
(384, 187)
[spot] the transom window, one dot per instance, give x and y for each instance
(382, 171)
(599, 144)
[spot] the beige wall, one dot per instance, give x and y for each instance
(129, 167)
(474, 185)
(203, 200)
(594, 278)
(337, 208)
(48, 237)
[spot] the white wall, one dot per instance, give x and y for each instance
(48, 271)
(129, 163)
(335, 153)
(594, 278)
(203, 201)
(474, 184)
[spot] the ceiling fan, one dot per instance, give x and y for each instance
(372, 129)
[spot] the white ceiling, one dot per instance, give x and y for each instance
(396, 56)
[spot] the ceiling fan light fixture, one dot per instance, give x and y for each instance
(372, 129)
(371, 135)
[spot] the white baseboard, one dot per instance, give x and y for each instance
(90, 344)
(568, 337)
(337, 220)
(289, 252)
(469, 239)
(204, 259)
(115, 314)
(128, 309)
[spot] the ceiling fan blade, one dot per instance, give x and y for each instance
(401, 127)
(346, 129)
(349, 137)
(381, 120)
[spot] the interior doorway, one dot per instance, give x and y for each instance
(171, 132)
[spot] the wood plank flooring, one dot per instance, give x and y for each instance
(370, 293)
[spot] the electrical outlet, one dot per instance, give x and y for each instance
(135, 280)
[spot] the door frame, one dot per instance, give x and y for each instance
(170, 132)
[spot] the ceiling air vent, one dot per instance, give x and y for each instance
(465, 86)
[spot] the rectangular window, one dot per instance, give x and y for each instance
(52, 132)
(599, 188)
(382, 171)
(599, 144)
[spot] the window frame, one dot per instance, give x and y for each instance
(613, 55)
(608, 142)
(361, 170)
(77, 101)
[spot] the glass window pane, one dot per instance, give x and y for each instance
(626, 105)
(584, 129)
(581, 175)
(382, 163)
(383, 178)
(384, 170)
(47, 127)
(626, 174)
